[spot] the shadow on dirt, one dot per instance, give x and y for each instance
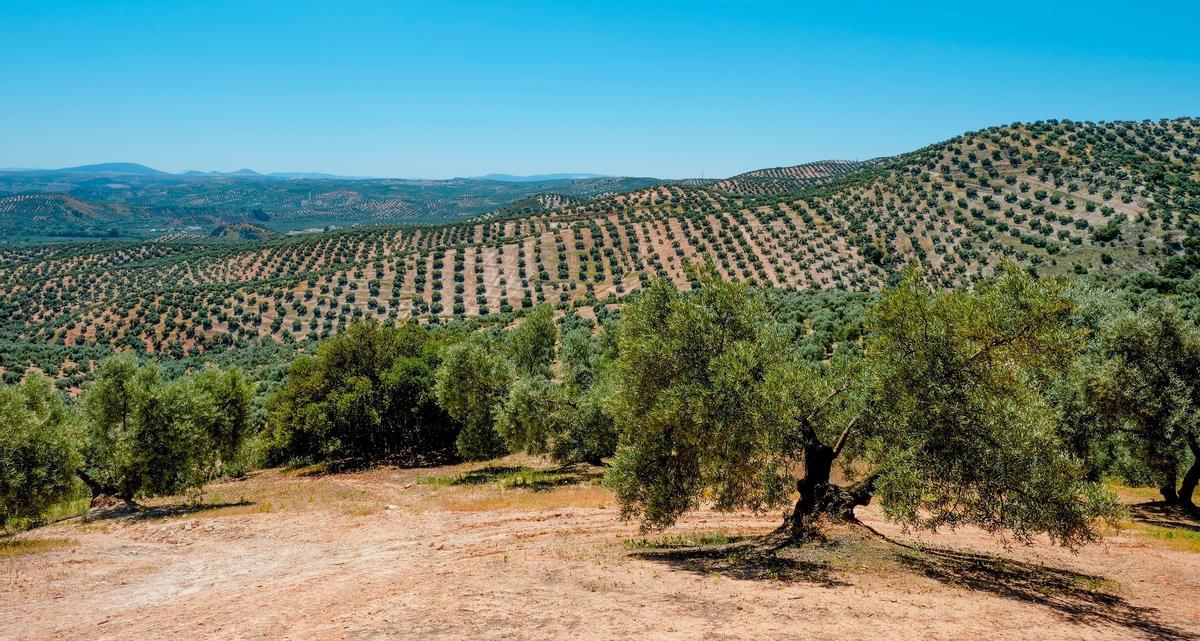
(1160, 514)
(134, 512)
(746, 560)
(405, 460)
(1082, 598)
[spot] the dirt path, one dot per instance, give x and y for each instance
(390, 554)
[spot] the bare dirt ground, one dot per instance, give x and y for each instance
(464, 553)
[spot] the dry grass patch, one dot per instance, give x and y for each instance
(508, 499)
(19, 547)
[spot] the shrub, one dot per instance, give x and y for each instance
(38, 449)
(367, 394)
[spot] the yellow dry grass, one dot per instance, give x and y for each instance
(492, 498)
(20, 547)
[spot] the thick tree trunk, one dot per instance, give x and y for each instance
(821, 500)
(1192, 477)
(103, 496)
(1169, 494)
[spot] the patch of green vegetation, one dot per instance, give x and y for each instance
(681, 541)
(530, 478)
(1179, 538)
(510, 477)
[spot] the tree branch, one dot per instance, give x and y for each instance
(844, 436)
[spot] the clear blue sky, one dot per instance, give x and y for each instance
(668, 89)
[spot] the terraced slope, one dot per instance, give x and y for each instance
(781, 180)
(1055, 197)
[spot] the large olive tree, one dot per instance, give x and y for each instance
(943, 420)
(1146, 389)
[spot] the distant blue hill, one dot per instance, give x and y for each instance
(126, 168)
(509, 178)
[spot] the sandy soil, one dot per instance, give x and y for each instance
(409, 554)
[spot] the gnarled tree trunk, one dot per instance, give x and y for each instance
(822, 500)
(104, 497)
(1190, 479)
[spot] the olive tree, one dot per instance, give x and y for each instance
(472, 381)
(39, 451)
(943, 419)
(145, 436)
(368, 393)
(531, 345)
(1148, 387)
(568, 420)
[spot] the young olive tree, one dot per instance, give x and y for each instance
(472, 382)
(147, 437)
(567, 420)
(943, 419)
(531, 345)
(39, 449)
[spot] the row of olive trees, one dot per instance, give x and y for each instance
(505, 392)
(410, 393)
(132, 435)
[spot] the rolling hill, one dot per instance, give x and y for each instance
(1055, 197)
(169, 203)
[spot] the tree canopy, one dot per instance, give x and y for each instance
(943, 419)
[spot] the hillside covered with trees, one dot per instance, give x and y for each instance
(1103, 200)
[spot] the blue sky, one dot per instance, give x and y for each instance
(669, 89)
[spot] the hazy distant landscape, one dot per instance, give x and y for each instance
(125, 200)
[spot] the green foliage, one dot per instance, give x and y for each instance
(472, 382)
(578, 358)
(531, 345)
(1148, 387)
(945, 416)
(535, 409)
(1110, 230)
(368, 393)
(541, 416)
(39, 440)
(149, 437)
(958, 422)
(692, 403)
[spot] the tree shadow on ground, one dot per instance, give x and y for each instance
(414, 459)
(135, 512)
(489, 474)
(746, 560)
(1160, 514)
(1083, 598)
(530, 478)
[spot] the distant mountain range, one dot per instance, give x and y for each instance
(136, 169)
(117, 168)
(131, 200)
(510, 178)
(123, 199)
